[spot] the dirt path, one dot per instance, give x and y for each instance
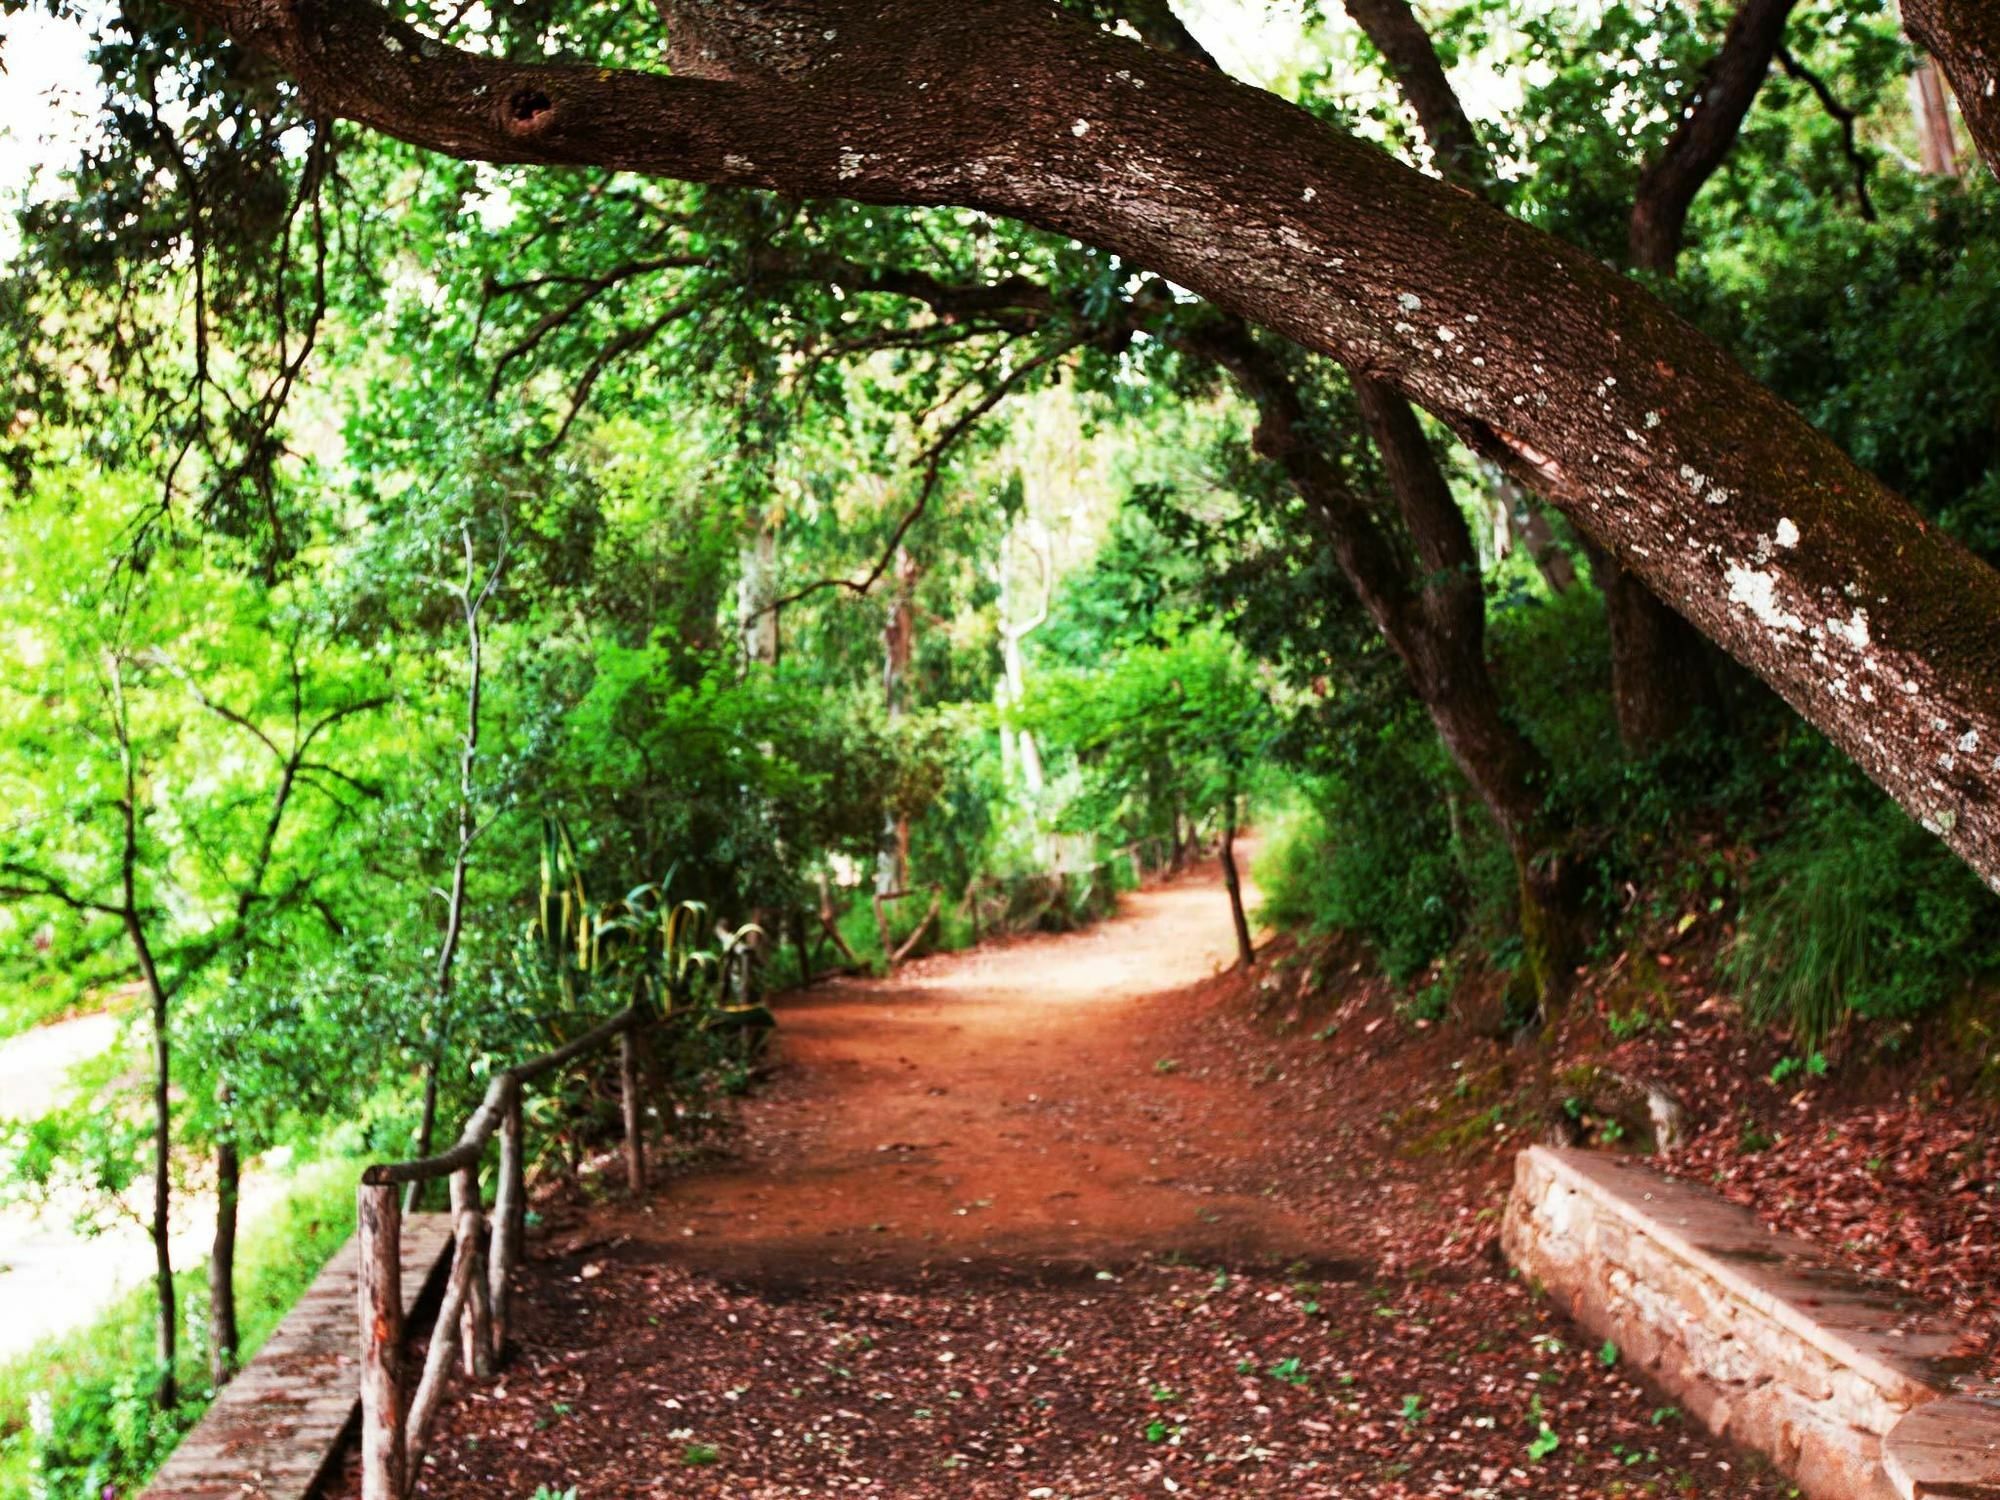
(1057, 1220)
(1010, 1102)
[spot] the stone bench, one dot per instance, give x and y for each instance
(275, 1429)
(1850, 1387)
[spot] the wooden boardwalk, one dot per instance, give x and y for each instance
(277, 1427)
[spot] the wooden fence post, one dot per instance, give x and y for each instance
(635, 1144)
(476, 1321)
(380, 1235)
(437, 1358)
(509, 1215)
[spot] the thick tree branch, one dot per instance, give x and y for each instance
(1872, 623)
(1404, 44)
(1706, 132)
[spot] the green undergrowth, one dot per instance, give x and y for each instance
(1844, 910)
(1854, 910)
(77, 1419)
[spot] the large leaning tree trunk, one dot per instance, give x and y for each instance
(1431, 611)
(1661, 683)
(1870, 621)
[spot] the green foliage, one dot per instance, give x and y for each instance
(1383, 840)
(1854, 909)
(1166, 734)
(76, 1413)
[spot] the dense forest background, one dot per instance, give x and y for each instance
(420, 581)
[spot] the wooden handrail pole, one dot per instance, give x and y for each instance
(476, 1320)
(509, 1215)
(635, 1143)
(379, 1233)
(437, 1358)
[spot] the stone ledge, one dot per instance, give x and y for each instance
(1946, 1450)
(275, 1428)
(1756, 1333)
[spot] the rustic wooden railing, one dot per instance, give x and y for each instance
(395, 1433)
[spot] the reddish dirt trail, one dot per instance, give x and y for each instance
(1056, 1220)
(1011, 1101)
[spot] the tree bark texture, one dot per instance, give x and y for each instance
(1963, 38)
(1871, 622)
(379, 1291)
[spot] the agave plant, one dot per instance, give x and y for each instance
(644, 948)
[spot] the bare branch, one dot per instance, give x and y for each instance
(623, 344)
(593, 288)
(19, 882)
(1857, 160)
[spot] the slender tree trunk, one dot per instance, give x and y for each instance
(1661, 682)
(898, 643)
(1937, 146)
(472, 599)
(1246, 952)
(800, 946)
(168, 1390)
(1963, 39)
(427, 1117)
(757, 587)
(1528, 526)
(223, 1341)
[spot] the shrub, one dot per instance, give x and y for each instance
(1854, 909)
(1374, 852)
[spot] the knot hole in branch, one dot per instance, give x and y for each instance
(529, 109)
